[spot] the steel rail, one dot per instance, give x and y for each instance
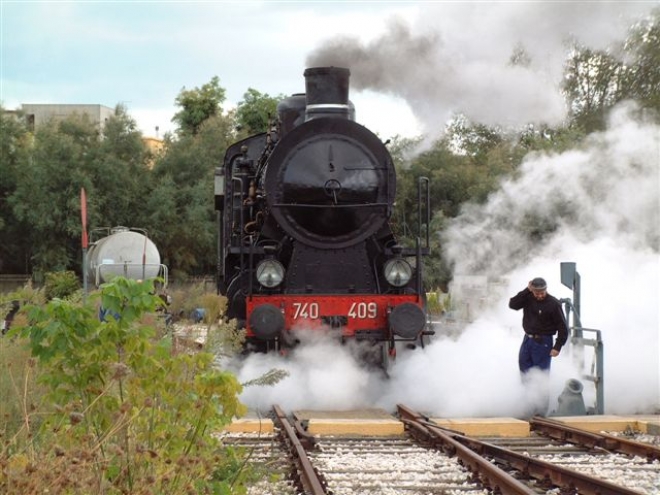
(561, 431)
(547, 472)
(490, 475)
(311, 484)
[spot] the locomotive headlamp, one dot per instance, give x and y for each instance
(270, 273)
(397, 272)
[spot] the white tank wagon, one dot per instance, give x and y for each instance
(124, 252)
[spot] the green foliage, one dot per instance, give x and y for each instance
(60, 284)
(21, 395)
(49, 173)
(14, 143)
(128, 414)
(120, 179)
(271, 377)
(198, 105)
(256, 111)
(596, 80)
(180, 207)
(47, 199)
(437, 302)
(642, 50)
(592, 85)
(474, 140)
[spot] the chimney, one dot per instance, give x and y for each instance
(327, 93)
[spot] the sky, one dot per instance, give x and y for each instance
(413, 64)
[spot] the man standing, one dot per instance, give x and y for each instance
(542, 318)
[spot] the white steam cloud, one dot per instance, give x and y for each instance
(456, 57)
(600, 208)
(602, 205)
(607, 189)
(322, 375)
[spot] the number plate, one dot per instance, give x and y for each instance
(311, 310)
(359, 311)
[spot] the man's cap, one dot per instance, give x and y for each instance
(539, 284)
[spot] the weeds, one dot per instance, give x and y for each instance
(106, 407)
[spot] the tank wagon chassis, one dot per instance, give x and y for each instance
(305, 240)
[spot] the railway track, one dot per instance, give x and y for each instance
(428, 459)
(373, 465)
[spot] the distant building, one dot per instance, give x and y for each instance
(154, 145)
(39, 114)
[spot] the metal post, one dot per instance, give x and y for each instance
(571, 279)
(84, 254)
(600, 369)
(423, 187)
(84, 238)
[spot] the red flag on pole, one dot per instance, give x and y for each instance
(83, 213)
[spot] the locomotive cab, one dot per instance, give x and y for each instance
(305, 242)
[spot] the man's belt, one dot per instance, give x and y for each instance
(538, 337)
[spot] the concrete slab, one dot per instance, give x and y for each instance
(361, 422)
(374, 413)
(250, 425)
(355, 427)
(378, 422)
(649, 424)
(486, 427)
(604, 422)
(252, 422)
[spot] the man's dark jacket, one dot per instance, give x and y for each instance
(541, 317)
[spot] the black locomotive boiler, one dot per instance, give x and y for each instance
(305, 241)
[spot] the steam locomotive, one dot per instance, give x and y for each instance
(305, 241)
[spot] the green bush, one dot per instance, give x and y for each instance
(437, 302)
(126, 414)
(61, 284)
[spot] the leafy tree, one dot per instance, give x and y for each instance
(256, 111)
(402, 149)
(597, 80)
(120, 178)
(592, 85)
(642, 49)
(64, 157)
(181, 207)
(47, 194)
(466, 165)
(474, 140)
(15, 143)
(198, 105)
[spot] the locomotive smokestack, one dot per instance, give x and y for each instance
(327, 92)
